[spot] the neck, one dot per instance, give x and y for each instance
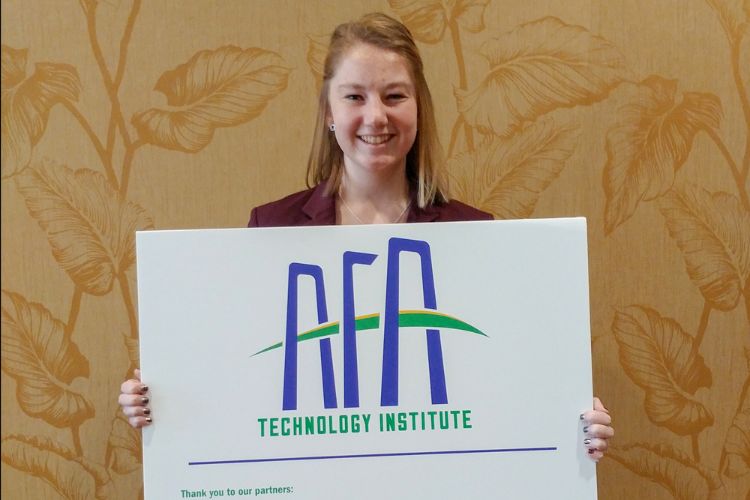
(373, 200)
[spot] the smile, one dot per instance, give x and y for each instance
(375, 139)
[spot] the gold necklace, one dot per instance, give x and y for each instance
(348, 209)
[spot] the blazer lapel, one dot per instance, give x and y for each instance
(427, 214)
(320, 208)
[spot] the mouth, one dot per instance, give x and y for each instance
(375, 140)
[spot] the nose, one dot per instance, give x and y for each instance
(376, 113)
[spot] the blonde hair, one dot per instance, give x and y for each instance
(424, 160)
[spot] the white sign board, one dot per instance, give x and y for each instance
(443, 360)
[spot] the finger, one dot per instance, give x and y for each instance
(598, 406)
(596, 444)
(599, 431)
(139, 422)
(137, 374)
(132, 400)
(596, 417)
(133, 386)
(136, 411)
(595, 455)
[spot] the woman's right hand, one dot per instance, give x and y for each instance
(133, 400)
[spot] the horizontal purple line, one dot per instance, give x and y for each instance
(373, 455)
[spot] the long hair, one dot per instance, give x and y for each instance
(424, 160)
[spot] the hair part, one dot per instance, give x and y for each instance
(424, 161)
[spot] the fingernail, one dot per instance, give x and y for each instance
(144, 389)
(148, 419)
(586, 441)
(581, 416)
(147, 411)
(585, 429)
(144, 400)
(591, 452)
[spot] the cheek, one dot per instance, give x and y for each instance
(345, 121)
(410, 124)
(336, 112)
(340, 138)
(409, 117)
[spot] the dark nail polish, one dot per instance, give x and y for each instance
(587, 441)
(147, 411)
(585, 429)
(581, 416)
(144, 389)
(144, 400)
(148, 419)
(591, 452)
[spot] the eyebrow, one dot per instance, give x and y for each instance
(356, 86)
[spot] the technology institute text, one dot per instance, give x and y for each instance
(356, 423)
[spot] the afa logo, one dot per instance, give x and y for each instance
(394, 319)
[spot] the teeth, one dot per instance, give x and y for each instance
(374, 139)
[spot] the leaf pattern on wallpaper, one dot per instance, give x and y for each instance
(214, 89)
(90, 228)
(658, 355)
(26, 102)
(36, 353)
(731, 16)
(428, 19)
(737, 443)
(506, 176)
(124, 446)
(713, 233)
(536, 68)
(72, 477)
(317, 48)
(670, 468)
(469, 14)
(650, 143)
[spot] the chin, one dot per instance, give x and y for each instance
(383, 169)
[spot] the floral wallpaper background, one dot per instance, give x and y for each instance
(120, 115)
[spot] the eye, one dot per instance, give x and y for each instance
(396, 96)
(353, 97)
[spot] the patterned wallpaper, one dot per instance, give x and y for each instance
(120, 115)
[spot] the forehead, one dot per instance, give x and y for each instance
(365, 64)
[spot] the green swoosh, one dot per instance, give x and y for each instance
(416, 319)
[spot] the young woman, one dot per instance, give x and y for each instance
(375, 159)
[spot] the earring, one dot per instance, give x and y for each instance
(332, 127)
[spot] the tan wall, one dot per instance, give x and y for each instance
(633, 113)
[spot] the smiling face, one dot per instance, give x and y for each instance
(372, 102)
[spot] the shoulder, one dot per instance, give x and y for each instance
(288, 211)
(307, 207)
(454, 211)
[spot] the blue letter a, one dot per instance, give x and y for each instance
(351, 373)
(290, 341)
(389, 386)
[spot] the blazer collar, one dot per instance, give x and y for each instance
(321, 208)
(426, 214)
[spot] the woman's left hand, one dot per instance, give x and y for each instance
(597, 430)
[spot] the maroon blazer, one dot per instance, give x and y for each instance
(313, 207)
